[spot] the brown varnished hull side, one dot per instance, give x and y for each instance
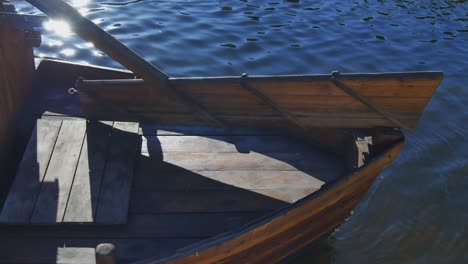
(288, 231)
(313, 101)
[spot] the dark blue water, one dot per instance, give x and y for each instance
(417, 211)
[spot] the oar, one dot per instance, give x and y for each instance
(115, 49)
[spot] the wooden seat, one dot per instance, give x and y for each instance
(74, 171)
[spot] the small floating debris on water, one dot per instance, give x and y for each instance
(312, 8)
(255, 18)
(431, 41)
(278, 25)
(229, 45)
(380, 37)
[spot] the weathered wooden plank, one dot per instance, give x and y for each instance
(25, 189)
(84, 193)
(55, 190)
(152, 129)
(225, 144)
(148, 179)
(115, 189)
(76, 255)
(251, 161)
(217, 201)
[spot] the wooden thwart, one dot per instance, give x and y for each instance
(73, 170)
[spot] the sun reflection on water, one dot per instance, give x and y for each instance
(60, 28)
(79, 3)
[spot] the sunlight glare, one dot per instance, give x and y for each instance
(58, 27)
(79, 3)
(55, 43)
(68, 52)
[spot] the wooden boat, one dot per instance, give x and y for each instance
(245, 169)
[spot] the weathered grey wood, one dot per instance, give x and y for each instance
(52, 200)
(115, 190)
(251, 161)
(76, 255)
(241, 144)
(20, 202)
(84, 193)
(148, 179)
(156, 129)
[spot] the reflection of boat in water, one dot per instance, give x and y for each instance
(228, 169)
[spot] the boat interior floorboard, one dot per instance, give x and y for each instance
(190, 183)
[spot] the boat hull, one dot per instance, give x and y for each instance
(289, 230)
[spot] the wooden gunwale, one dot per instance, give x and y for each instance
(266, 78)
(230, 244)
